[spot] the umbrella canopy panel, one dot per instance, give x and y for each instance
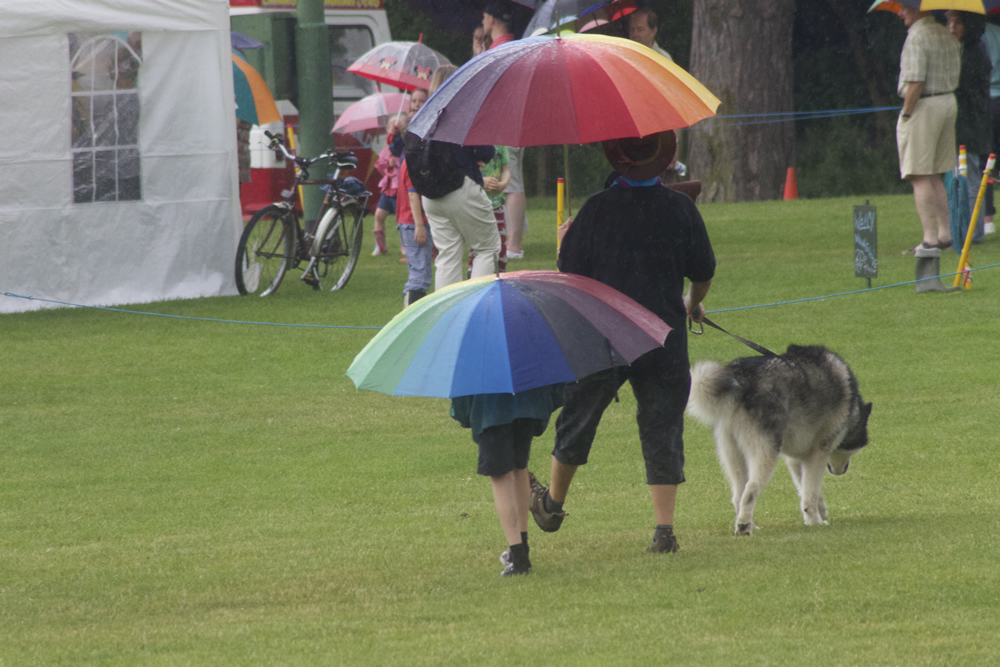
(553, 14)
(254, 102)
(974, 6)
(405, 65)
(244, 43)
(506, 334)
(371, 113)
(574, 89)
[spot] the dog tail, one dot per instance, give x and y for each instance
(713, 392)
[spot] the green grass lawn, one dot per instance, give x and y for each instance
(176, 491)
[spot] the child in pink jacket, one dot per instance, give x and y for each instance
(388, 166)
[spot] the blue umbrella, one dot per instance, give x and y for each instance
(244, 43)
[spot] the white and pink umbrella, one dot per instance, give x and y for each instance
(371, 113)
(405, 65)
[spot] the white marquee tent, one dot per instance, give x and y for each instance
(118, 176)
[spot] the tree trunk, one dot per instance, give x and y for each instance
(742, 52)
(879, 85)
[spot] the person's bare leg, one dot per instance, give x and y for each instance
(517, 205)
(523, 497)
(932, 206)
(943, 214)
(664, 497)
(505, 497)
(562, 477)
(378, 231)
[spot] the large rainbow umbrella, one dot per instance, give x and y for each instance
(571, 89)
(505, 334)
(254, 102)
(974, 6)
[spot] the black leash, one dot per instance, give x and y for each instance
(754, 346)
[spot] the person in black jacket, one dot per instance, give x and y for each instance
(973, 128)
(644, 240)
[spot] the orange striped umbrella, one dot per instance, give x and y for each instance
(974, 6)
(254, 102)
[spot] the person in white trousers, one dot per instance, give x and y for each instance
(463, 217)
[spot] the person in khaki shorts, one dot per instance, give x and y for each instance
(925, 132)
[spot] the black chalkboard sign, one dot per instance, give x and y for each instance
(865, 242)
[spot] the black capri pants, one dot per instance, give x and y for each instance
(661, 383)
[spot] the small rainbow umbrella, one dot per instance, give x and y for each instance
(571, 89)
(254, 102)
(974, 6)
(505, 334)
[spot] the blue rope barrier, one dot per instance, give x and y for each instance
(867, 289)
(786, 116)
(805, 113)
(185, 317)
(341, 326)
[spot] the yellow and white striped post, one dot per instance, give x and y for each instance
(560, 207)
(291, 146)
(963, 261)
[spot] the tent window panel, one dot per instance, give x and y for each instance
(129, 184)
(83, 136)
(105, 176)
(105, 116)
(83, 177)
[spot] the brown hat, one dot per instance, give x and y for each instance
(642, 158)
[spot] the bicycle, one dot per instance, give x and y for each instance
(275, 239)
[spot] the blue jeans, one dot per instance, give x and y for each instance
(418, 259)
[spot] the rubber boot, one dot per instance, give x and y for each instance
(411, 297)
(928, 270)
(380, 246)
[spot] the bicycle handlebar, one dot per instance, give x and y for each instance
(278, 146)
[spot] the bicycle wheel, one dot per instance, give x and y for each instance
(265, 251)
(341, 247)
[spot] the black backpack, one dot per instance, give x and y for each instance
(432, 167)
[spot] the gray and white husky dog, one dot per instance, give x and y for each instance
(803, 404)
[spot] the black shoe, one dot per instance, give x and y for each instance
(547, 521)
(667, 544)
(513, 570)
(411, 297)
